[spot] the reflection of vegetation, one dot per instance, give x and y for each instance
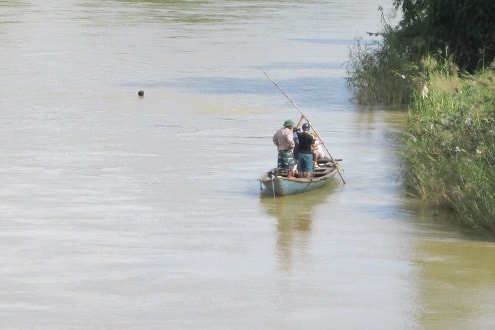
(294, 219)
(183, 11)
(203, 11)
(168, 2)
(196, 19)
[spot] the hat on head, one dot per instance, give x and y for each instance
(305, 126)
(288, 123)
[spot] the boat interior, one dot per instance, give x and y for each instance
(325, 166)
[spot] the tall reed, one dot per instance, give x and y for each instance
(449, 142)
(449, 149)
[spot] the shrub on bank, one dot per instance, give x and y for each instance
(449, 149)
(449, 141)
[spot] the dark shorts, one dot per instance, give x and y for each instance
(305, 162)
(286, 160)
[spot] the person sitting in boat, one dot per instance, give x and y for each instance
(317, 152)
(306, 143)
(284, 140)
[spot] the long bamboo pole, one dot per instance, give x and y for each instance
(302, 114)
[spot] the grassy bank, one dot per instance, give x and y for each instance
(449, 142)
(449, 148)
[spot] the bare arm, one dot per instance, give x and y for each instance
(298, 125)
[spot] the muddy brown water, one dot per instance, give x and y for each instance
(120, 212)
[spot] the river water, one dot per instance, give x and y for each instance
(120, 212)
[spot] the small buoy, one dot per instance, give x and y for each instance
(141, 93)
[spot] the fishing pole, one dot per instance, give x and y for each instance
(302, 114)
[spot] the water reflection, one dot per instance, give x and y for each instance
(294, 216)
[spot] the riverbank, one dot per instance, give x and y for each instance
(449, 148)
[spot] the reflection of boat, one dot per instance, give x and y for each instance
(277, 183)
(294, 216)
(297, 206)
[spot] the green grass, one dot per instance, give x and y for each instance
(449, 150)
(449, 142)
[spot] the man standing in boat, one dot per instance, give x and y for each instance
(284, 140)
(306, 144)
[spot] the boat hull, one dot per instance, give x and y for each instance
(282, 186)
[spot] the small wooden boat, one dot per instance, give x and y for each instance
(276, 182)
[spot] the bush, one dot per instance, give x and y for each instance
(449, 150)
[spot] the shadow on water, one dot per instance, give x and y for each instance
(294, 216)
